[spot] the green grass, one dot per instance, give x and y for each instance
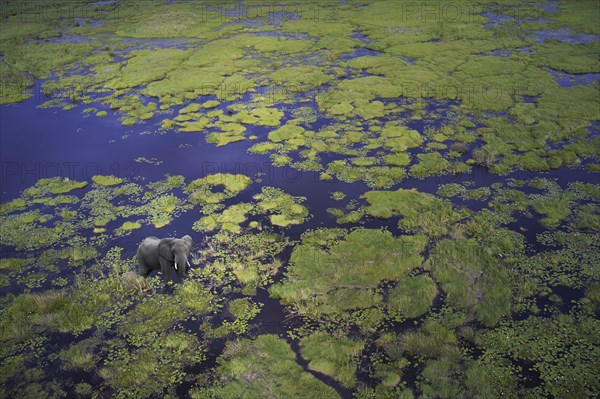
(31, 313)
(162, 209)
(568, 57)
(332, 284)
(151, 370)
(15, 205)
(282, 209)
(200, 190)
(128, 226)
(421, 211)
(472, 279)
(262, 367)
(56, 185)
(80, 355)
(332, 356)
(143, 343)
(286, 132)
(429, 165)
(58, 200)
(106, 180)
(432, 340)
(554, 209)
(412, 297)
(230, 219)
(561, 349)
(300, 78)
(12, 265)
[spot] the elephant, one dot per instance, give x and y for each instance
(165, 254)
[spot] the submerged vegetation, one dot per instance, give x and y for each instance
(441, 137)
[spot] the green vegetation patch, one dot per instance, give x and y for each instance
(568, 57)
(284, 209)
(332, 356)
(421, 211)
(229, 219)
(56, 185)
(264, 367)
(15, 205)
(562, 350)
(106, 180)
(300, 78)
(473, 280)
(327, 284)
(248, 259)
(286, 132)
(128, 226)
(201, 190)
(412, 297)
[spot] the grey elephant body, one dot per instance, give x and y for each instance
(165, 254)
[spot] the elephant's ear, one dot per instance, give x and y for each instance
(164, 249)
(189, 243)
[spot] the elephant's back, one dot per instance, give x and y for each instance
(147, 252)
(150, 242)
(148, 246)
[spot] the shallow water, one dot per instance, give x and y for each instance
(564, 35)
(573, 79)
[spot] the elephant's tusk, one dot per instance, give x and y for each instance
(175, 265)
(188, 264)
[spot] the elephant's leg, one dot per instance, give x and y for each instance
(143, 269)
(166, 267)
(181, 272)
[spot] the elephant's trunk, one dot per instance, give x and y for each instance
(180, 264)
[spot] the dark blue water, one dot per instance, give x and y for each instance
(361, 36)
(361, 52)
(564, 35)
(573, 79)
(551, 6)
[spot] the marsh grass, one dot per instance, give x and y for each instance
(473, 281)
(412, 297)
(80, 355)
(432, 341)
(48, 302)
(14, 205)
(107, 180)
(554, 208)
(154, 369)
(57, 185)
(342, 280)
(264, 366)
(421, 211)
(195, 297)
(133, 281)
(335, 357)
(12, 266)
(49, 310)
(200, 190)
(557, 345)
(129, 226)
